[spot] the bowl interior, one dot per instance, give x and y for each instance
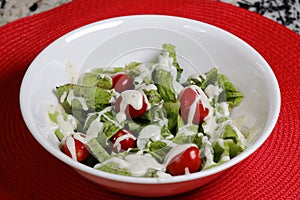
(118, 41)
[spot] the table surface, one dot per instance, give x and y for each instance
(27, 171)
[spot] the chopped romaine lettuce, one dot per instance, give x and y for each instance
(172, 53)
(97, 150)
(93, 79)
(164, 82)
(172, 111)
(233, 96)
(159, 150)
(114, 168)
(76, 97)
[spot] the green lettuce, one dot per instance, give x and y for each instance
(164, 82)
(93, 79)
(96, 98)
(172, 53)
(172, 111)
(114, 168)
(233, 96)
(97, 150)
(186, 134)
(159, 150)
(231, 146)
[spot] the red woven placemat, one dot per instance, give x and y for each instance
(27, 171)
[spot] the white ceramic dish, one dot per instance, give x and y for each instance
(118, 41)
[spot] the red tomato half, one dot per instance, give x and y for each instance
(81, 151)
(126, 143)
(122, 82)
(130, 111)
(188, 160)
(187, 98)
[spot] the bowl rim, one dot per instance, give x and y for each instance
(162, 180)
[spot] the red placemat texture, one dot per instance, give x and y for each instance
(27, 171)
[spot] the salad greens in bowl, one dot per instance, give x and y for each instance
(161, 115)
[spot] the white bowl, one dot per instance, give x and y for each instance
(120, 40)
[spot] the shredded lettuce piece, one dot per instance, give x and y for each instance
(83, 98)
(172, 111)
(164, 82)
(97, 150)
(172, 53)
(93, 79)
(114, 168)
(159, 150)
(233, 96)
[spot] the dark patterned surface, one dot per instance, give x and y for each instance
(285, 12)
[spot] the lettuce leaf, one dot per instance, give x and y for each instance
(233, 96)
(94, 97)
(172, 111)
(228, 145)
(97, 150)
(114, 168)
(172, 53)
(159, 150)
(164, 82)
(93, 79)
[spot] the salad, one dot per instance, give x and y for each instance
(141, 120)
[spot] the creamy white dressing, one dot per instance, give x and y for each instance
(146, 87)
(63, 97)
(186, 171)
(145, 72)
(240, 136)
(139, 164)
(225, 108)
(94, 129)
(212, 91)
(96, 125)
(185, 130)
(166, 63)
(117, 143)
(71, 71)
(207, 151)
(196, 76)
(225, 155)
(163, 121)
(102, 76)
(66, 126)
(71, 97)
(136, 164)
(210, 125)
(70, 143)
(133, 98)
(64, 122)
(122, 163)
(169, 143)
(150, 132)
